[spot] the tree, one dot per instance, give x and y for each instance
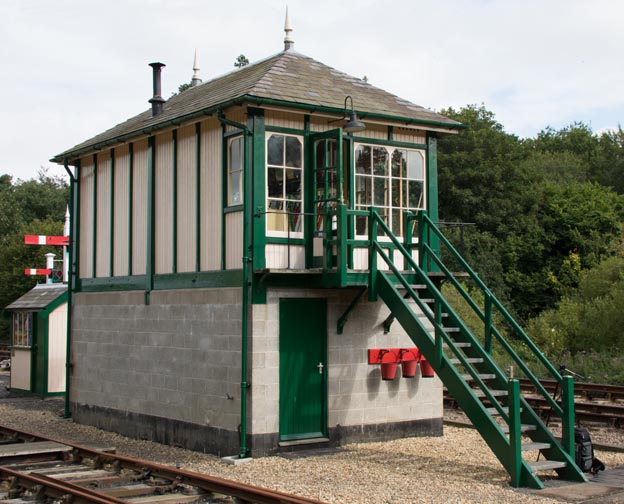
(241, 61)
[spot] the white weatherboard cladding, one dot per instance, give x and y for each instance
(283, 119)
(211, 194)
(187, 184)
(20, 368)
(103, 215)
(356, 393)
(86, 174)
(234, 240)
(120, 211)
(57, 349)
(277, 256)
(163, 204)
(139, 208)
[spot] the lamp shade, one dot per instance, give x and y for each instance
(354, 124)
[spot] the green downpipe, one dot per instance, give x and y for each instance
(247, 264)
(70, 277)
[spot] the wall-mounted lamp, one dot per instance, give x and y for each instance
(353, 125)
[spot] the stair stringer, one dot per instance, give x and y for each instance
(482, 420)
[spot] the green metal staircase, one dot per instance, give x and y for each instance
(464, 362)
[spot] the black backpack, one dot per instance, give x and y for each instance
(583, 449)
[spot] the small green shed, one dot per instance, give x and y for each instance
(39, 341)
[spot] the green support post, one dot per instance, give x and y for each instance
(515, 434)
(372, 255)
(567, 421)
(423, 239)
(437, 312)
(342, 244)
(409, 237)
(487, 311)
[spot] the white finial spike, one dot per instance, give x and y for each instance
(289, 43)
(195, 80)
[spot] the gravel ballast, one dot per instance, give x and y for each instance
(455, 468)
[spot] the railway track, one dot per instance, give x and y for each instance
(38, 469)
(595, 402)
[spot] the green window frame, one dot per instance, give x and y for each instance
(22, 329)
(284, 186)
(235, 170)
(390, 178)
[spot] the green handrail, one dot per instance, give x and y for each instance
(491, 302)
(376, 248)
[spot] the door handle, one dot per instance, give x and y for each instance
(320, 367)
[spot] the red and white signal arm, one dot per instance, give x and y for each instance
(62, 241)
(37, 271)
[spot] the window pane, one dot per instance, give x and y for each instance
(363, 159)
(363, 191)
(396, 222)
(275, 182)
(293, 184)
(380, 191)
(293, 152)
(235, 190)
(415, 165)
(380, 161)
(398, 163)
(415, 194)
(294, 215)
(276, 221)
(361, 225)
(396, 192)
(275, 150)
(235, 154)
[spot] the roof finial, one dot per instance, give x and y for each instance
(289, 43)
(195, 80)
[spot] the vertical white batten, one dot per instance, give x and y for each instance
(66, 228)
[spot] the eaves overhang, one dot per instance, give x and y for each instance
(69, 155)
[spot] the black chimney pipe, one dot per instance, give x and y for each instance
(157, 100)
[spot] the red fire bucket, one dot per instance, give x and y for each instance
(409, 362)
(388, 370)
(426, 370)
(408, 368)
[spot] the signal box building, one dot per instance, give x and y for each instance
(220, 262)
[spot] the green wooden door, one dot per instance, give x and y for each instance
(303, 372)
(39, 364)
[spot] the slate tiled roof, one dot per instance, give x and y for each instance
(39, 297)
(288, 77)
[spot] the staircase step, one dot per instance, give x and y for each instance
(469, 360)
(544, 465)
(451, 329)
(487, 376)
(459, 344)
(496, 393)
(535, 446)
(495, 412)
(523, 428)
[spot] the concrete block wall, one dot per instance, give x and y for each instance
(356, 394)
(176, 358)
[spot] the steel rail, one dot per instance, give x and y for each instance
(243, 491)
(55, 488)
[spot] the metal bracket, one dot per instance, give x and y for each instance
(345, 316)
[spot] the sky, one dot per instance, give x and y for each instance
(70, 69)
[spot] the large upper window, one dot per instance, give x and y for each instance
(390, 179)
(284, 184)
(22, 329)
(235, 171)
